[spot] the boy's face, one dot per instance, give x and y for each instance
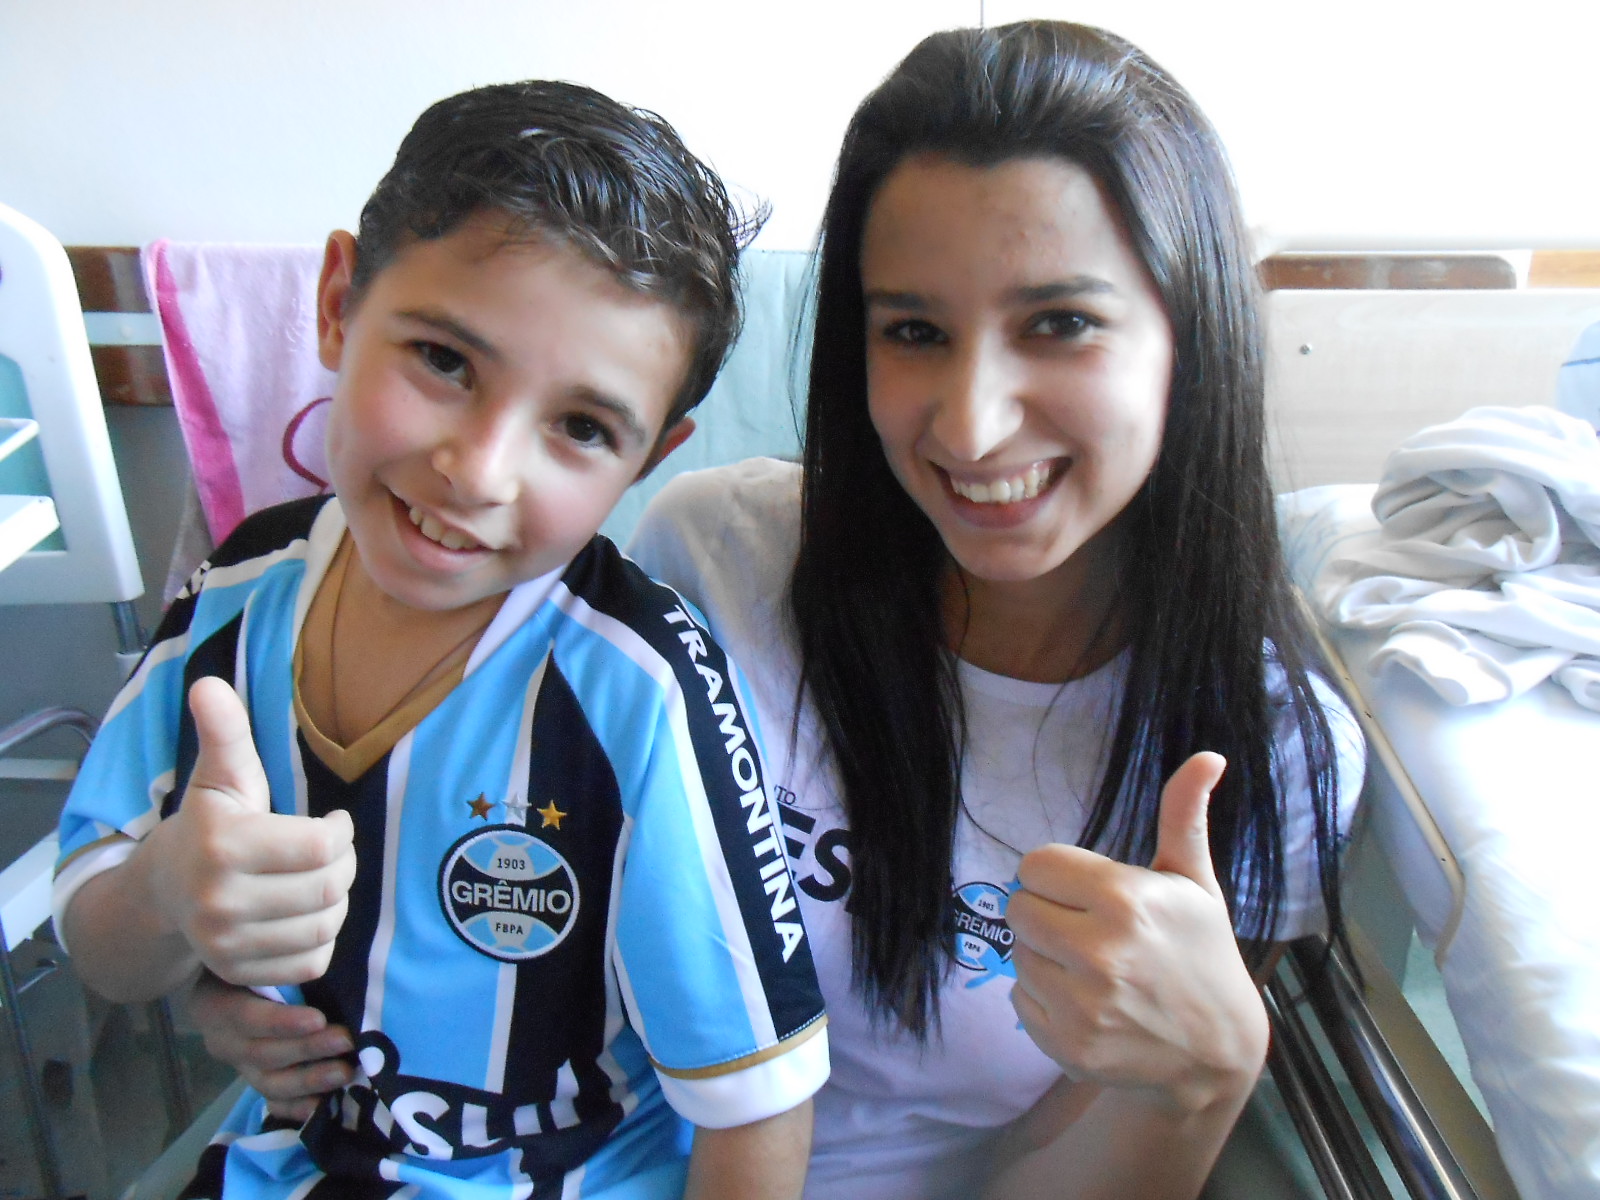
(495, 398)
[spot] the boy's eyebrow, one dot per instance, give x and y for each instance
(620, 409)
(447, 324)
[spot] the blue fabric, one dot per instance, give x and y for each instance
(756, 407)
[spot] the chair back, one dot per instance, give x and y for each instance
(46, 375)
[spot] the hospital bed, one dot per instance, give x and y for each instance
(1483, 814)
(1360, 1101)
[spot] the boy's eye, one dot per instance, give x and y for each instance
(913, 331)
(442, 360)
(586, 431)
(1061, 324)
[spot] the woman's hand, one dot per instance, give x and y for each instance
(287, 1052)
(1130, 976)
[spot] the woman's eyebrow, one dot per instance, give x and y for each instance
(1033, 293)
(448, 324)
(888, 298)
(1064, 289)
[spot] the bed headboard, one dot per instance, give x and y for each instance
(1352, 373)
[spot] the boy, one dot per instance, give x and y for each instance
(479, 786)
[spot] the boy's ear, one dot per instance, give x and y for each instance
(333, 289)
(669, 441)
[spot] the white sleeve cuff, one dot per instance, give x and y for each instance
(750, 1093)
(78, 872)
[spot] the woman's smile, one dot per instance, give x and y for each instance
(1024, 485)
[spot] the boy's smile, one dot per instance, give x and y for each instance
(496, 396)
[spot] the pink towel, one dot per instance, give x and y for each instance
(239, 331)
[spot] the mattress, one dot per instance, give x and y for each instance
(1512, 791)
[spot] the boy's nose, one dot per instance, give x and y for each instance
(978, 405)
(483, 460)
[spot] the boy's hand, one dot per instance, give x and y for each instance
(1129, 976)
(260, 896)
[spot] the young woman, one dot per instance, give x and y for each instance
(1023, 592)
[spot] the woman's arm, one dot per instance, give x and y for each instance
(287, 1052)
(764, 1160)
(1093, 1142)
(1131, 980)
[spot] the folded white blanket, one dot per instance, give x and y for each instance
(1486, 569)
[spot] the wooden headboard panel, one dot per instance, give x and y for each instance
(126, 347)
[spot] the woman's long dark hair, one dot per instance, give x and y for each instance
(1206, 590)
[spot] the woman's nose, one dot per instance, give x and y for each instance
(979, 403)
(483, 458)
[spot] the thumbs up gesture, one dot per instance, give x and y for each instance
(1130, 976)
(258, 895)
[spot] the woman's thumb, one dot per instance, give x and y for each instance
(1182, 845)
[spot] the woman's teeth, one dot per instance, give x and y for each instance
(1004, 491)
(436, 532)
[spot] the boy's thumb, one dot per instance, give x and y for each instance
(1182, 845)
(227, 761)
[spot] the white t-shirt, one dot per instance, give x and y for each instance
(899, 1120)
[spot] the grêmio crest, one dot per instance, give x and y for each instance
(508, 894)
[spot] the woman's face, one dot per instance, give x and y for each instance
(1018, 357)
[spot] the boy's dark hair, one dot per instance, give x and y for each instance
(1202, 588)
(564, 161)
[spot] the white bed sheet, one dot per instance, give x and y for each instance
(1514, 788)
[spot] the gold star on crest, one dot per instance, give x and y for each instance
(480, 807)
(551, 814)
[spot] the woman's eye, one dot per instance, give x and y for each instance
(1062, 324)
(587, 431)
(442, 360)
(914, 332)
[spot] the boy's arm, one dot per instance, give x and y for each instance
(764, 1160)
(224, 882)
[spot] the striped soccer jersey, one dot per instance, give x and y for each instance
(571, 906)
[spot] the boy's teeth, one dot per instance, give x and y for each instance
(1004, 491)
(434, 531)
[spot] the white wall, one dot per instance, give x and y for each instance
(1367, 122)
(1374, 123)
(228, 120)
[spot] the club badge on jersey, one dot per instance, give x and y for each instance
(507, 894)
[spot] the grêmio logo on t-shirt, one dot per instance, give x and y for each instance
(821, 862)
